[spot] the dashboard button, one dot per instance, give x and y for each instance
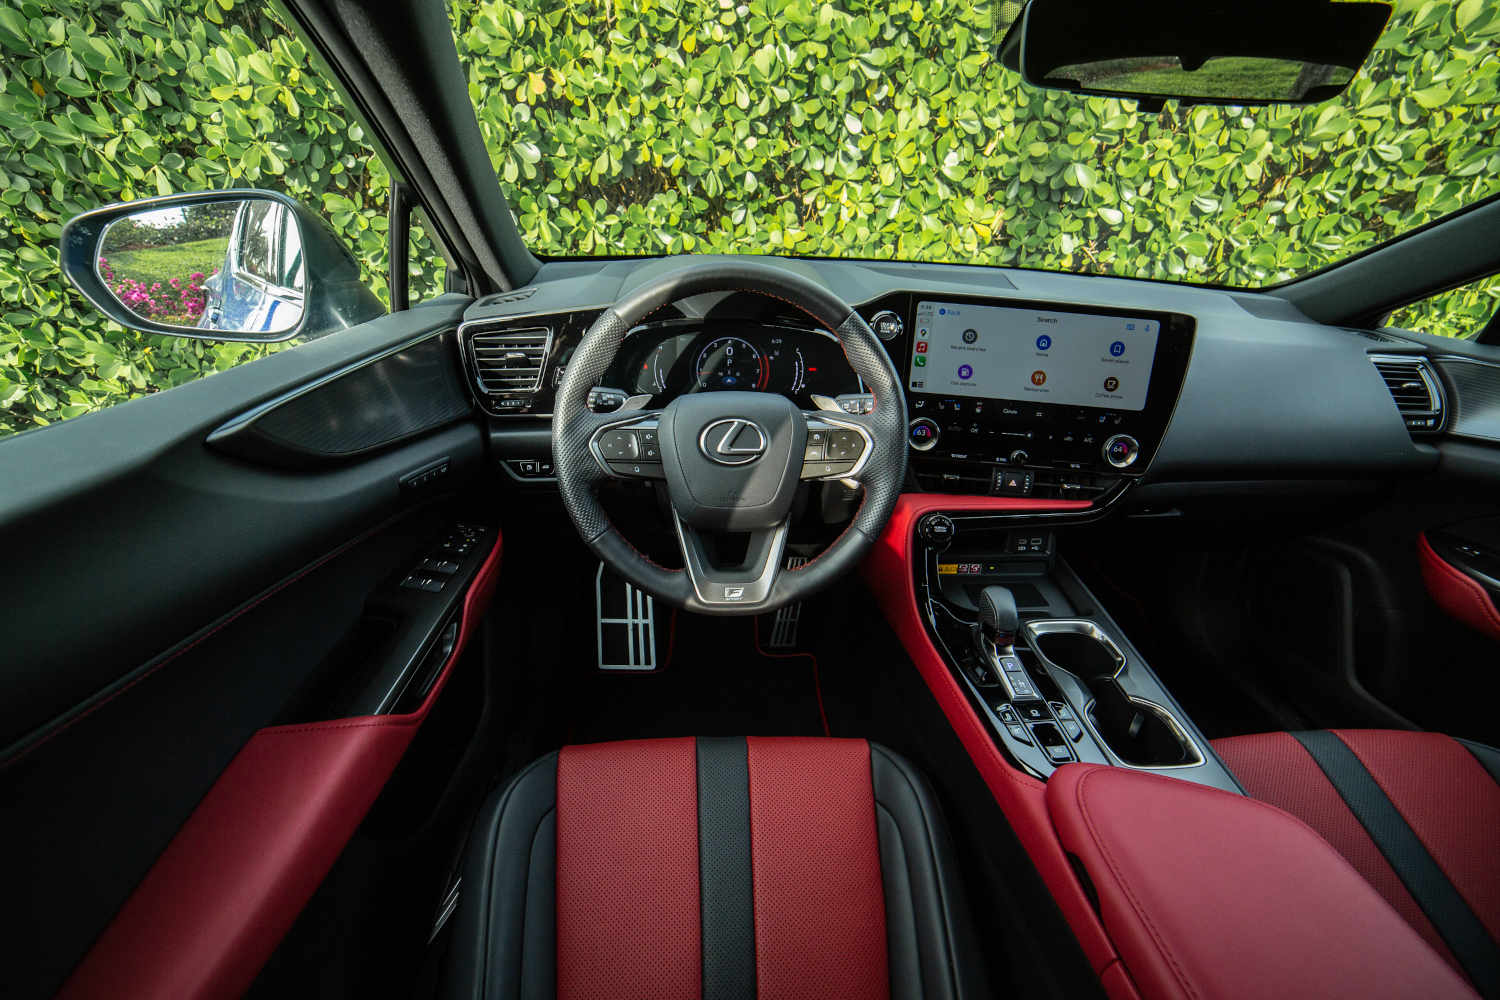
(923, 434)
(887, 325)
(938, 530)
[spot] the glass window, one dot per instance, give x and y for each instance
(1460, 312)
(218, 95)
(258, 238)
(856, 128)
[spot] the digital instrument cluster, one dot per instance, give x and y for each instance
(682, 356)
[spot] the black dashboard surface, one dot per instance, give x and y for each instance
(1266, 393)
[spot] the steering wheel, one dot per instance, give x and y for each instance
(732, 461)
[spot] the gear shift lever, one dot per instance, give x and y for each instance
(996, 636)
(998, 618)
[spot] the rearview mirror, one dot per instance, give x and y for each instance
(1209, 52)
(226, 265)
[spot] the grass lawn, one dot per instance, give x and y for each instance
(165, 263)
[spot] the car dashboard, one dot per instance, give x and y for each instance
(1027, 384)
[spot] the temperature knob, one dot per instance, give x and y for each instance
(923, 433)
(1121, 451)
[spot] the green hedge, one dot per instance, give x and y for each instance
(886, 129)
(877, 130)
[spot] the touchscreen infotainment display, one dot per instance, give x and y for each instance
(1032, 355)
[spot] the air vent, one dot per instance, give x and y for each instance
(1416, 389)
(506, 298)
(510, 361)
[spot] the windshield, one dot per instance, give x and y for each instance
(888, 130)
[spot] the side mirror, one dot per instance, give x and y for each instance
(221, 265)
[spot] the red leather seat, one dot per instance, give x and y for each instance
(713, 868)
(1417, 814)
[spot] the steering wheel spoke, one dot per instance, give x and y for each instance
(839, 445)
(741, 586)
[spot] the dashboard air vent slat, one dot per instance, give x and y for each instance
(507, 361)
(1415, 389)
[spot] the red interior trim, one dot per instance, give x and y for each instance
(815, 864)
(888, 570)
(228, 887)
(1456, 593)
(628, 921)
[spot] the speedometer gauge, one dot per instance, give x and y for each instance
(732, 363)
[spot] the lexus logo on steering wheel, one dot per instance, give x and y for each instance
(733, 441)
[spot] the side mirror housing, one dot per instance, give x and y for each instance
(242, 265)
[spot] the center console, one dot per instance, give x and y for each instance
(1039, 658)
(1033, 399)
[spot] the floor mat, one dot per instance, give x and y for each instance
(713, 682)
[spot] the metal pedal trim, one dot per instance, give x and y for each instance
(639, 624)
(784, 624)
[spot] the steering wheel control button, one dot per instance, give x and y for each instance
(817, 446)
(887, 324)
(845, 446)
(637, 470)
(1121, 451)
(818, 470)
(923, 433)
(619, 446)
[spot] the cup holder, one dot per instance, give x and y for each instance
(1138, 732)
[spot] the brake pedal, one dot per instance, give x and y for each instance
(784, 624)
(625, 619)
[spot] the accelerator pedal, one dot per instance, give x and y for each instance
(784, 624)
(626, 623)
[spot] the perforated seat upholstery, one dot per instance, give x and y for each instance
(713, 868)
(1417, 814)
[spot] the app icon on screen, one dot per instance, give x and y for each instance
(1043, 342)
(1111, 384)
(1117, 348)
(970, 336)
(1038, 377)
(922, 347)
(965, 371)
(920, 359)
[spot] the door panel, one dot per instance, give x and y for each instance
(132, 534)
(172, 601)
